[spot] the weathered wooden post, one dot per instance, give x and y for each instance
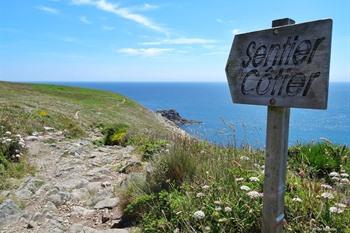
(276, 161)
(282, 67)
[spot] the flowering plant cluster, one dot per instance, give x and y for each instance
(220, 189)
(12, 145)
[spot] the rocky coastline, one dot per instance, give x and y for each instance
(175, 117)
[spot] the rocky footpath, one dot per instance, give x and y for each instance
(75, 189)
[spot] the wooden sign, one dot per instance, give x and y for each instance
(286, 66)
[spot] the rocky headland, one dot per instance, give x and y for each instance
(175, 117)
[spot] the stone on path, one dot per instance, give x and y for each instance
(9, 211)
(32, 138)
(78, 210)
(109, 203)
(78, 228)
(29, 187)
(59, 198)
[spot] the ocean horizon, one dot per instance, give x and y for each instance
(235, 124)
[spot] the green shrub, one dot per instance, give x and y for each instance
(319, 159)
(148, 146)
(26, 120)
(12, 161)
(11, 147)
(173, 167)
(194, 176)
(116, 135)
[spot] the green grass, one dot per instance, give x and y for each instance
(13, 161)
(188, 175)
(196, 176)
(319, 159)
(25, 108)
(148, 146)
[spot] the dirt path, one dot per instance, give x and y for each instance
(75, 188)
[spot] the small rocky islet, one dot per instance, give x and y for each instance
(175, 117)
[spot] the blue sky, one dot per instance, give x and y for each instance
(133, 40)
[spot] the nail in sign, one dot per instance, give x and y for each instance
(285, 66)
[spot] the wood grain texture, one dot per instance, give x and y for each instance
(286, 66)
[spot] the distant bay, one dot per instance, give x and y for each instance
(228, 123)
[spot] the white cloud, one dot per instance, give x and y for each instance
(121, 12)
(84, 20)
(147, 6)
(181, 41)
(224, 21)
(219, 20)
(69, 39)
(49, 10)
(74, 40)
(107, 28)
(235, 31)
(144, 7)
(145, 52)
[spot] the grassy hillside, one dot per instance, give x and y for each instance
(191, 185)
(28, 107)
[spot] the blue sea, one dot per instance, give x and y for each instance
(228, 123)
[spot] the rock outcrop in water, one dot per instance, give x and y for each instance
(174, 116)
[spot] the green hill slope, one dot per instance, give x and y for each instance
(25, 108)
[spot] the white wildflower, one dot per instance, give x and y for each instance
(326, 186)
(336, 210)
(199, 195)
(8, 133)
(18, 156)
(344, 181)
(8, 140)
(254, 179)
(207, 228)
(227, 209)
(239, 179)
(346, 175)
(177, 230)
(340, 205)
(327, 195)
(244, 158)
(254, 194)
(217, 202)
(218, 208)
(245, 188)
(199, 215)
(332, 174)
(327, 228)
(205, 187)
(335, 178)
(297, 199)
